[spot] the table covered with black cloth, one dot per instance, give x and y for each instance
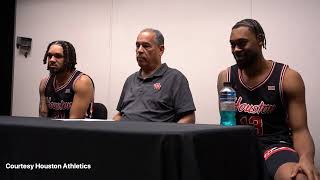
(126, 150)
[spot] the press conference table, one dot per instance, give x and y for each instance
(126, 150)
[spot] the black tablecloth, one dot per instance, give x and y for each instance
(126, 150)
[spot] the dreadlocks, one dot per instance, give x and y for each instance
(69, 53)
(254, 27)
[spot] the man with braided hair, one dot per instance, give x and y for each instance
(270, 97)
(66, 92)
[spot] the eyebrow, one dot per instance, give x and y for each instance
(143, 43)
(240, 39)
(57, 55)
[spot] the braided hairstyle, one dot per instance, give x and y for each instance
(255, 27)
(69, 53)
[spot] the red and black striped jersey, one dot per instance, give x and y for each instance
(59, 99)
(263, 106)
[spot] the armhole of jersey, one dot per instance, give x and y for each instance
(46, 82)
(283, 71)
(81, 74)
(75, 80)
(89, 111)
(229, 74)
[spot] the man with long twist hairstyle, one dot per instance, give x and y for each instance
(66, 92)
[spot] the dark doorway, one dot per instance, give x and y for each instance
(7, 19)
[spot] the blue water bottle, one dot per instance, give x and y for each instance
(227, 98)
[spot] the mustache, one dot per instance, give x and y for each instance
(140, 57)
(239, 56)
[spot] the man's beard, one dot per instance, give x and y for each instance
(246, 61)
(56, 71)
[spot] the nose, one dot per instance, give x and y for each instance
(52, 58)
(236, 49)
(140, 49)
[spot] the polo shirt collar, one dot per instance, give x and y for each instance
(159, 72)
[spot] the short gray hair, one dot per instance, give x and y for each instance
(159, 40)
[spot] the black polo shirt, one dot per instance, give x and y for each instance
(162, 97)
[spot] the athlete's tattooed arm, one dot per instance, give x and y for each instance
(43, 109)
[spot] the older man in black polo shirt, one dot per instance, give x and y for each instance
(156, 92)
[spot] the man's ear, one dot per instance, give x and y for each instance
(161, 47)
(260, 38)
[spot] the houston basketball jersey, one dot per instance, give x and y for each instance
(59, 99)
(263, 106)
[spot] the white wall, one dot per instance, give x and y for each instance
(196, 40)
(86, 24)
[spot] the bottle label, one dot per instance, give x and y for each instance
(227, 106)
